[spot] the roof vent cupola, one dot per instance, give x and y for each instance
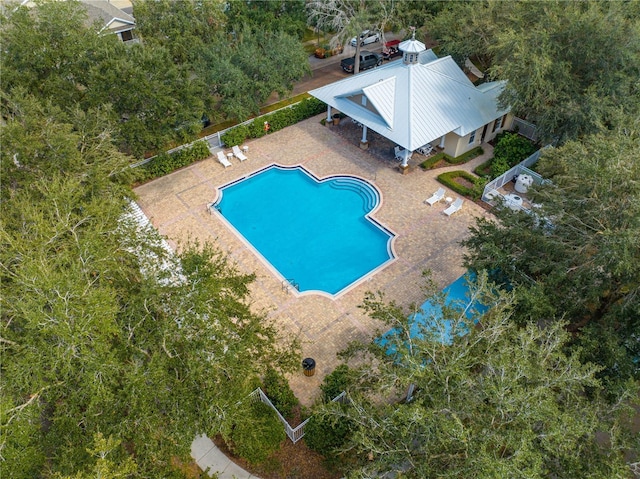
(411, 49)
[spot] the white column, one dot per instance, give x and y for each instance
(364, 134)
(406, 154)
(328, 112)
(442, 141)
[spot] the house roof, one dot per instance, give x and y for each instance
(416, 104)
(113, 18)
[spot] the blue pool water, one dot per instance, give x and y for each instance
(315, 233)
(457, 297)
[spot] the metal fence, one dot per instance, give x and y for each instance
(293, 433)
(526, 129)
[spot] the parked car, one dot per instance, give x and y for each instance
(327, 51)
(367, 60)
(366, 37)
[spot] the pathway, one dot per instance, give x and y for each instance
(211, 460)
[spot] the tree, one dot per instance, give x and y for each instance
(348, 18)
(102, 330)
(569, 66)
(499, 401)
(577, 257)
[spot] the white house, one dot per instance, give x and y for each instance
(420, 100)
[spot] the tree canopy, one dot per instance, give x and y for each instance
(186, 68)
(499, 401)
(577, 257)
(570, 66)
(103, 332)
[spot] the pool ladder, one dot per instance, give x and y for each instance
(287, 283)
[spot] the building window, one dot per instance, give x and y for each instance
(472, 138)
(497, 124)
(126, 35)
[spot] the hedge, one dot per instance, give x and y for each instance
(165, 163)
(277, 121)
(448, 179)
(435, 159)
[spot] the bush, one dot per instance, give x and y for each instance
(512, 148)
(277, 120)
(336, 382)
(484, 169)
(435, 159)
(235, 136)
(278, 391)
(326, 434)
(448, 179)
(499, 166)
(258, 435)
(165, 163)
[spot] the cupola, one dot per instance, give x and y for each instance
(411, 49)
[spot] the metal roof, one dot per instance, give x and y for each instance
(413, 105)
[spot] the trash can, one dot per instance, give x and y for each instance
(309, 366)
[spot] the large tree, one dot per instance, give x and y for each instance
(570, 65)
(498, 401)
(103, 331)
(348, 18)
(577, 257)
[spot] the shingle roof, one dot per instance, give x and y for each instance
(111, 16)
(413, 105)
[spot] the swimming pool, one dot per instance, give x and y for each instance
(316, 234)
(457, 296)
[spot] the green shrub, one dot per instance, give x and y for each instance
(499, 166)
(258, 435)
(165, 163)
(235, 136)
(278, 391)
(435, 159)
(339, 380)
(484, 169)
(468, 156)
(512, 148)
(327, 433)
(277, 120)
(448, 179)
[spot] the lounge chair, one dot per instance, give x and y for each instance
(437, 196)
(453, 207)
(238, 154)
(223, 159)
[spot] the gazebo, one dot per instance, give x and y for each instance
(420, 101)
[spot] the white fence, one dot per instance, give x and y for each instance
(293, 433)
(526, 129)
(491, 194)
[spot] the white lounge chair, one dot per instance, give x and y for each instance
(223, 159)
(238, 154)
(437, 196)
(453, 207)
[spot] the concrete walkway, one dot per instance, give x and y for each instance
(211, 460)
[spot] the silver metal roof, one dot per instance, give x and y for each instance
(413, 105)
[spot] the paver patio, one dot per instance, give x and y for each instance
(426, 238)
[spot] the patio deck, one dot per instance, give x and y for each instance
(426, 238)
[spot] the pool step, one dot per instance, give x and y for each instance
(367, 193)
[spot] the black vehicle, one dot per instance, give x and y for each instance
(367, 60)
